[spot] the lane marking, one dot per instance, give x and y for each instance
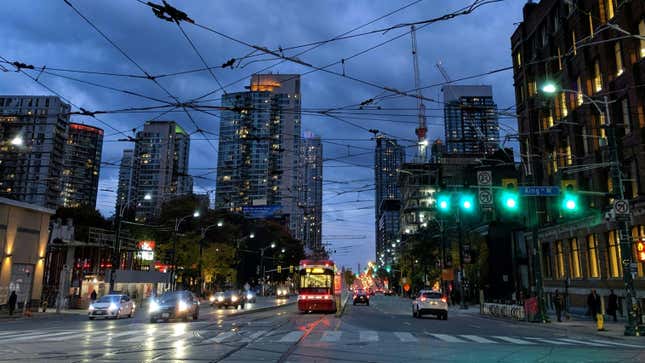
(619, 344)
(368, 336)
(331, 336)
(582, 342)
(221, 337)
(257, 334)
(405, 337)
(513, 340)
(548, 341)
(447, 338)
(57, 337)
(478, 339)
(292, 337)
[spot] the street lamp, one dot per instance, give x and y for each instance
(148, 196)
(17, 141)
(272, 245)
(220, 224)
(178, 222)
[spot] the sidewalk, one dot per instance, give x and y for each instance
(4, 314)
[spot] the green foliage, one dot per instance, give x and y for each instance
(83, 218)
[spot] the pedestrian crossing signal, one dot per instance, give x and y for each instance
(291, 269)
(279, 269)
(640, 251)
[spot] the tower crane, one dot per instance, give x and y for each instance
(421, 130)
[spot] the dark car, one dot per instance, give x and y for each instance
(361, 297)
(174, 305)
(231, 298)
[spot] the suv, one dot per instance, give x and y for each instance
(360, 296)
(430, 302)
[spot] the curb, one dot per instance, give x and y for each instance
(340, 312)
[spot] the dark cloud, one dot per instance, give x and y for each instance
(50, 33)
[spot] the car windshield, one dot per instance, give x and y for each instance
(109, 299)
(431, 295)
(218, 294)
(170, 297)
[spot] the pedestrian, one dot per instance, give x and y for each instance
(13, 298)
(558, 301)
(93, 295)
(612, 304)
(593, 302)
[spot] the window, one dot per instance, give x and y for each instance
(619, 59)
(601, 11)
(567, 150)
(633, 175)
(597, 77)
(593, 264)
(532, 88)
(580, 98)
(574, 259)
(563, 105)
(574, 46)
(638, 232)
(614, 255)
(559, 260)
(641, 32)
(609, 8)
(626, 121)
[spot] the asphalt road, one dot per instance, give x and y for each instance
(385, 331)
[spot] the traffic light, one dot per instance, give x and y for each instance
(570, 202)
(279, 269)
(640, 251)
(290, 269)
(467, 202)
(443, 202)
(509, 196)
(388, 268)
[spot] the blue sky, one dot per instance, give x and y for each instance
(51, 34)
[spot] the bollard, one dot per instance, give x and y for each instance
(600, 322)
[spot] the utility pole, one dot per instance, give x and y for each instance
(461, 261)
(116, 253)
(622, 224)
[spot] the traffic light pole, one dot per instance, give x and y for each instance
(461, 262)
(623, 226)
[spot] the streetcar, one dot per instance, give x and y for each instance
(317, 286)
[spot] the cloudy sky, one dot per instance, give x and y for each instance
(51, 33)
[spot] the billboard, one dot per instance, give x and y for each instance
(260, 212)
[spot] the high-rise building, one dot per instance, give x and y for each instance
(471, 125)
(309, 218)
(82, 163)
(388, 158)
(32, 134)
(259, 145)
(160, 167)
(125, 188)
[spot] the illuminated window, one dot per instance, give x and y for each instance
(641, 32)
(518, 59)
(592, 256)
(574, 260)
(567, 148)
(609, 7)
(634, 178)
(590, 24)
(580, 98)
(559, 260)
(619, 59)
(532, 88)
(563, 105)
(597, 77)
(575, 46)
(638, 232)
(601, 11)
(614, 255)
(559, 57)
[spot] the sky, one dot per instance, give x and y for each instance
(51, 33)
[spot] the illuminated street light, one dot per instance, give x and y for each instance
(272, 244)
(196, 214)
(549, 88)
(252, 235)
(220, 224)
(148, 196)
(17, 141)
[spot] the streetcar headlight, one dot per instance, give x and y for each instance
(249, 296)
(220, 298)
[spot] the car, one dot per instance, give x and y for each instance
(216, 298)
(361, 297)
(111, 307)
(430, 302)
(249, 296)
(282, 293)
(389, 292)
(230, 298)
(174, 305)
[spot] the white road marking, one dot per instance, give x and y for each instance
(56, 337)
(257, 334)
(331, 336)
(548, 341)
(448, 338)
(368, 336)
(513, 340)
(25, 337)
(405, 337)
(616, 343)
(583, 342)
(478, 339)
(221, 337)
(292, 337)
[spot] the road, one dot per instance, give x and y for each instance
(385, 331)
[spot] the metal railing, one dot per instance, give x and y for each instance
(503, 311)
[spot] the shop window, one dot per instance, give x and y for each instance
(614, 255)
(579, 94)
(574, 260)
(574, 45)
(638, 232)
(593, 264)
(559, 260)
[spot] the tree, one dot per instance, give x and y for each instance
(83, 218)
(349, 278)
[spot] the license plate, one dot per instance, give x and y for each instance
(99, 313)
(165, 315)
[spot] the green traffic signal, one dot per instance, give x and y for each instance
(443, 202)
(510, 201)
(388, 268)
(467, 202)
(570, 202)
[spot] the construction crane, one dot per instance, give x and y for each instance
(421, 130)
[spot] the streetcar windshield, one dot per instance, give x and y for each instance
(316, 282)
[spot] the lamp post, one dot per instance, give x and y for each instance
(622, 224)
(201, 251)
(173, 272)
(272, 245)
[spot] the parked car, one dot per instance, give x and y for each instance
(361, 297)
(430, 302)
(111, 307)
(174, 305)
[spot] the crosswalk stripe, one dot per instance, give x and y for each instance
(513, 340)
(548, 341)
(125, 333)
(57, 337)
(448, 338)
(221, 337)
(368, 336)
(292, 337)
(25, 337)
(405, 337)
(583, 342)
(478, 339)
(257, 334)
(616, 343)
(331, 336)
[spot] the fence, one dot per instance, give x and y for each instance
(503, 311)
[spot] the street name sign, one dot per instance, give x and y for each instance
(485, 197)
(540, 190)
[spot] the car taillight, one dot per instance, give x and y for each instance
(444, 299)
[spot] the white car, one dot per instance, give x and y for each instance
(111, 307)
(430, 302)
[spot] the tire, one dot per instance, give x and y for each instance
(414, 313)
(445, 316)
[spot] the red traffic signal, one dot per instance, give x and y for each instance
(640, 251)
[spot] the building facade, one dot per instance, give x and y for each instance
(160, 167)
(563, 136)
(259, 146)
(309, 218)
(33, 131)
(389, 156)
(81, 165)
(471, 124)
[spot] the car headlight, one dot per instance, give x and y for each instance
(249, 297)
(182, 306)
(211, 298)
(112, 307)
(220, 298)
(154, 307)
(233, 298)
(91, 308)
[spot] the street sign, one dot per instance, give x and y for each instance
(261, 212)
(484, 178)
(485, 197)
(621, 206)
(540, 190)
